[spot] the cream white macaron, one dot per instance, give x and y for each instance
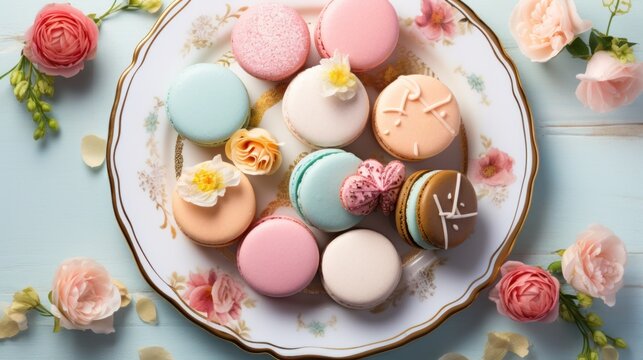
(360, 269)
(323, 121)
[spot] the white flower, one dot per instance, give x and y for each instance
(203, 183)
(338, 80)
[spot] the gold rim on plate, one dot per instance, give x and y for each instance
(503, 252)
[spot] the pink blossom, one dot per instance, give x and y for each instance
(227, 295)
(84, 296)
(608, 83)
(199, 291)
(526, 293)
(436, 20)
(595, 264)
(60, 40)
(495, 168)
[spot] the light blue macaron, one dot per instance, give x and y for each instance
(207, 103)
(314, 189)
(411, 211)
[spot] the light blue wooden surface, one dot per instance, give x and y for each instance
(54, 207)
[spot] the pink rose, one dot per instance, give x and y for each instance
(526, 293)
(543, 28)
(227, 296)
(608, 83)
(437, 19)
(595, 264)
(60, 40)
(199, 292)
(495, 168)
(84, 297)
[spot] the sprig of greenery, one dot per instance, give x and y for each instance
(150, 6)
(29, 87)
(599, 41)
(574, 308)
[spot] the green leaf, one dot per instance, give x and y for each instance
(599, 41)
(579, 49)
(50, 297)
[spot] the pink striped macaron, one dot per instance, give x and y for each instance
(279, 257)
(271, 41)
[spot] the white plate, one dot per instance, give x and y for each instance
(144, 154)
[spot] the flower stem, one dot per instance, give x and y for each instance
(43, 311)
(579, 320)
(609, 23)
(112, 10)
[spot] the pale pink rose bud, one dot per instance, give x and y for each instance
(595, 264)
(608, 83)
(84, 296)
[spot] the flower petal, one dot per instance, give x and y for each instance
(146, 309)
(92, 150)
(154, 353)
(8, 327)
(453, 356)
(126, 298)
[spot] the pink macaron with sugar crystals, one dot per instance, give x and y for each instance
(366, 30)
(271, 41)
(279, 257)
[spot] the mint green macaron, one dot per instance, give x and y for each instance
(314, 189)
(207, 103)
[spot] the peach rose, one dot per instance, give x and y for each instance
(543, 28)
(595, 264)
(84, 296)
(526, 293)
(608, 83)
(254, 152)
(227, 296)
(60, 40)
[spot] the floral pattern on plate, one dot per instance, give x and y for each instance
(216, 295)
(492, 172)
(152, 178)
(315, 327)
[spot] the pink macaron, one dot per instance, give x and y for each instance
(279, 257)
(366, 30)
(271, 41)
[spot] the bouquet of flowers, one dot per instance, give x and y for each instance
(613, 78)
(591, 268)
(60, 41)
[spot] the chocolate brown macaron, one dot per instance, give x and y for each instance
(436, 209)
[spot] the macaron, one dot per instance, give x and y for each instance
(314, 189)
(279, 257)
(207, 103)
(360, 269)
(319, 121)
(366, 30)
(436, 209)
(221, 224)
(416, 117)
(271, 41)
